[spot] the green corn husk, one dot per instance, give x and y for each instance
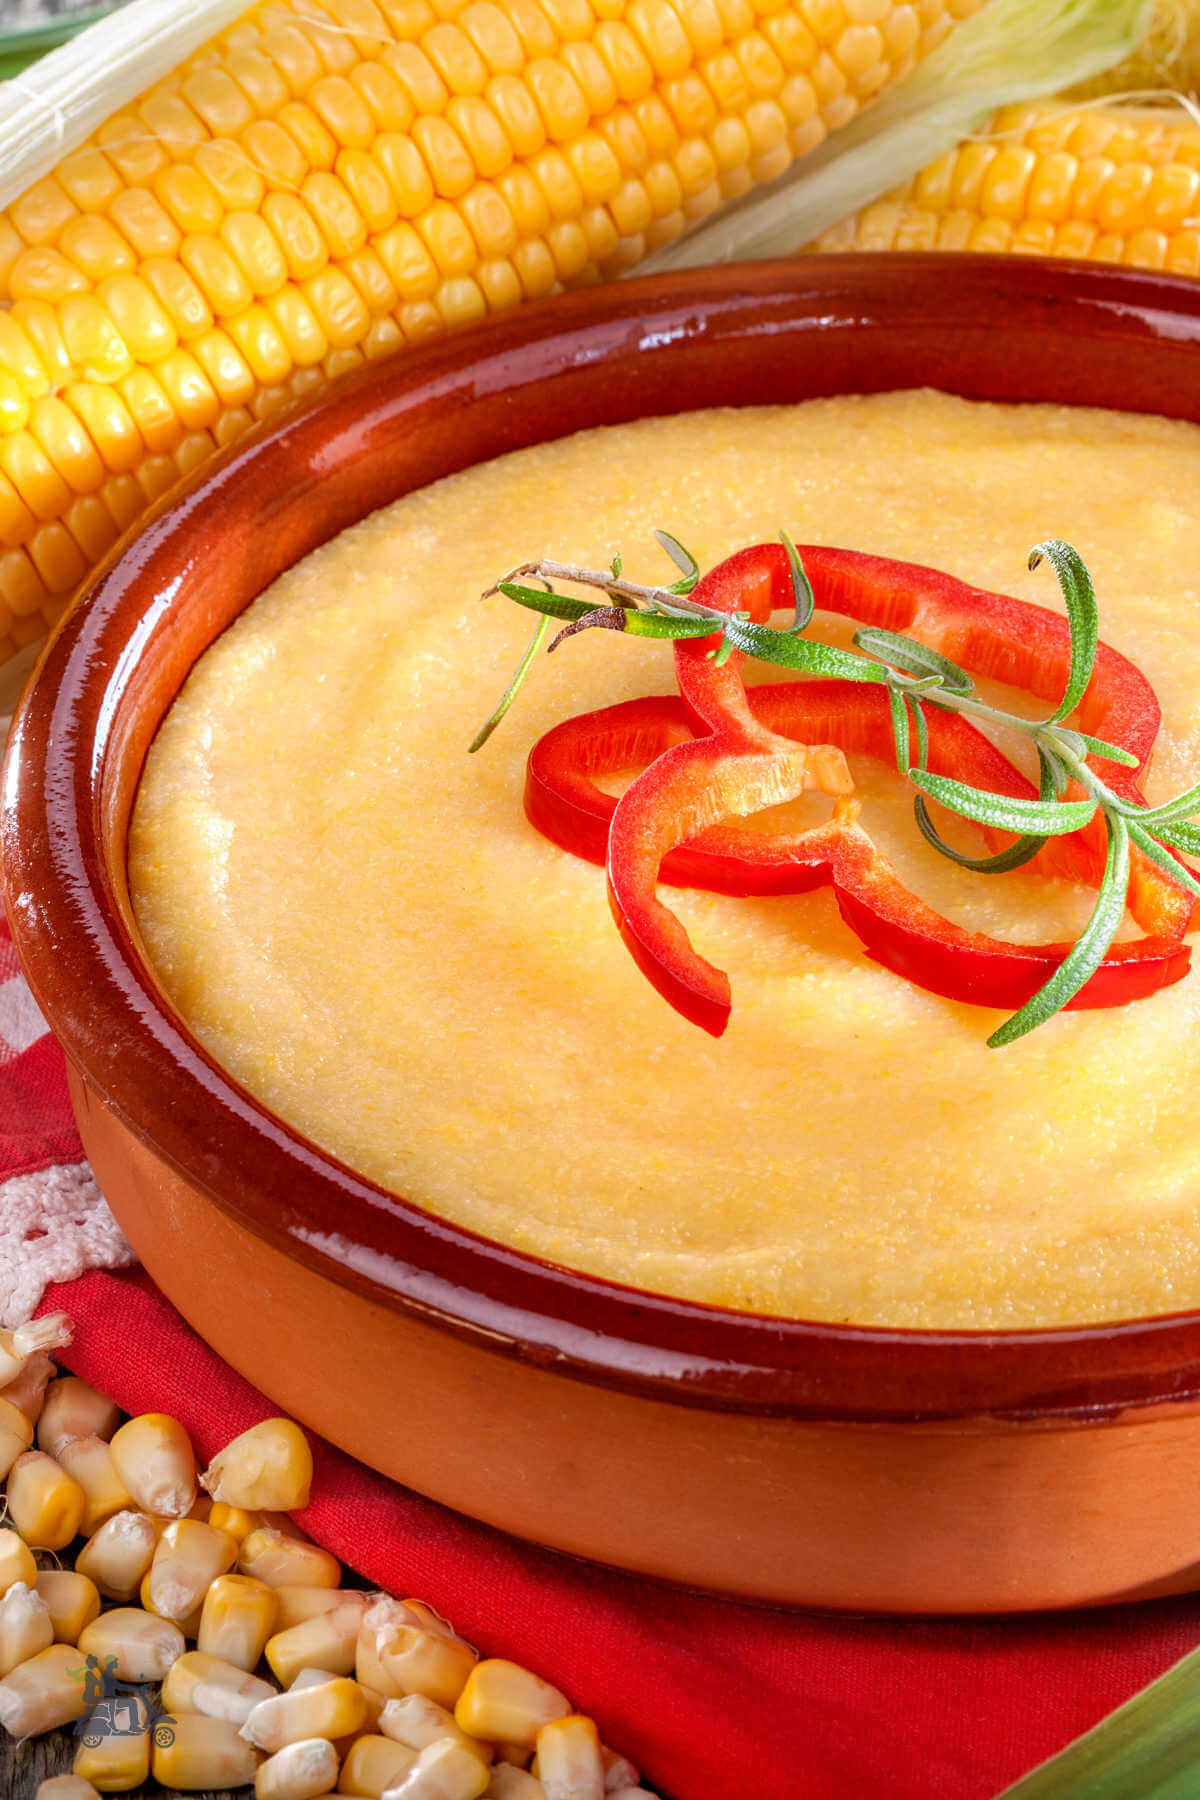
(1149, 1749)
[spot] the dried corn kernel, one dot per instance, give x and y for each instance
(143, 1647)
(16, 1561)
(118, 1555)
(66, 1787)
(73, 1409)
(419, 1722)
(272, 1556)
(28, 1392)
(299, 1603)
(25, 1626)
(445, 1771)
(267, 1468)
(569, 1763)
(238, 1617)
(203, 1753)
(425, 1662)
(43, 1693)
(207, 1684)
(189, 1557)
(234, 1519)
(298, 1771)
(16, 1435)
(327, 1641)
(335, 1709)
(115, 1760)
(373, 1764)
(88, 1461)
(71, 1600)
(44, 1504)
(153, 1456)
(24, 1341)
(507, 1704)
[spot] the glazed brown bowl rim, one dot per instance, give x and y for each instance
(63, 778)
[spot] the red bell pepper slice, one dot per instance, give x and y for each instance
(668, 824)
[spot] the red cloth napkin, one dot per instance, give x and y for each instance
(716, 1701)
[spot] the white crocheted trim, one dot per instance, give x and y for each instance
(54, 1226)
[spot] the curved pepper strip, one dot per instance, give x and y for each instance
(664, 825)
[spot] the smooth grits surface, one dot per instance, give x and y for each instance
(359, 922)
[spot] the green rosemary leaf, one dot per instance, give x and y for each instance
(1049, 818)
(1180, 835)
(1078, 967)
(513, 689)
(616, 565)
(899, 710)
(544, 600)
(683, 559)
(1110, 752)
(913, 657)
(802, 653)
(1166, 862)
(1015, 857)
(664, 625)
(922, 731)
(801, 587)
(1184, 806)
(1083, 615)
(721, 655)
(1148, 1749)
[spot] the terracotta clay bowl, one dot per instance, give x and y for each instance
(802, 1464)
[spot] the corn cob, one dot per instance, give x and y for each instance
(1107, 184)
(320, 185)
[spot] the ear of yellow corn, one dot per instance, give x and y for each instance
(322, 184)
(1108, 184)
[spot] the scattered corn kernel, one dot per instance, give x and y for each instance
(115, 1760)
(28, 1392)
(24, 1341)
(204, 1753)
(445, 1771)
(619, 1772)
(419, 1722)
(299, 1603)
(74, 1410)
(508, 1704)
(71, 1600)
(272, 1556)
(190, 1626)
(187, 1561)
(238, 1617)
(153, 1456)
(43, 1693)
(88, 1461)
(66, 1787)
(373, 1764)
(234, 1519)
(25, 1626)
(332, 1710)
(509, 1783)
(16, 1561)
(44, 1504)
(117, 1556)
(569, 1764)
(298, 1771)
(206, 1684)
(327, 1641)
(381, 1619)
(16, 1435)
(426, 1662)
(142, 1646)
(267, 1468)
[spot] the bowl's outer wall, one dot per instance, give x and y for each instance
(1003, 329)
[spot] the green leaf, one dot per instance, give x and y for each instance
(683, 559)
(922, 734)
(1148, 1749)
(899, 710)
(1078, 967)
(1179, 836)
(1083, 615)
(616, 565)
(663, 625)
(1015, 857)
(1166, 862)
(1111, 752)
(802, 653)
(1050, 818)
(1184, 806)
(801, 587)
(543, 600)
(513, 689)
(913, 657)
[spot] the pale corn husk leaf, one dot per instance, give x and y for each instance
(1149, 1749)
(49, 109)
(1011, 51)
(1167, 59)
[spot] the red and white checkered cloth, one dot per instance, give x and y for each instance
(716, 1701)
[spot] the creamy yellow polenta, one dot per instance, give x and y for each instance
(358, 921)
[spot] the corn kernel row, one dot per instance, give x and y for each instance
(360, 1693)
(322, 185)
(1106, 185)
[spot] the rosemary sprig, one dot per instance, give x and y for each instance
(915, 676)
